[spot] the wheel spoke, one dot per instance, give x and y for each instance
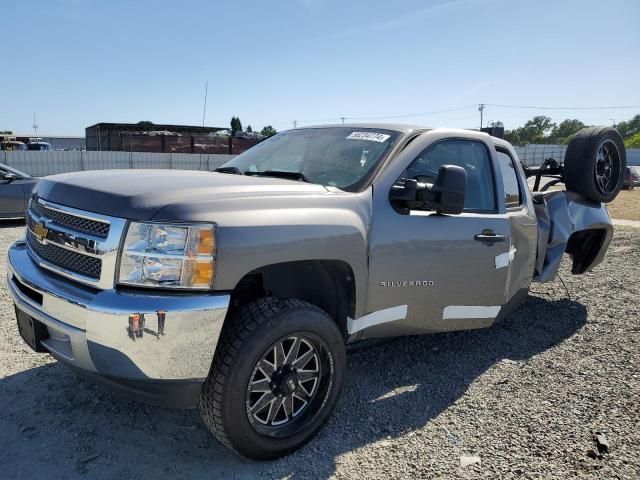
(266, 367)
(287, 404)
(258, 386)
(274, 408)
(302, 394)
(293, 351)
(301, 361)
(306, 375)
(278, 355)
(265, 400)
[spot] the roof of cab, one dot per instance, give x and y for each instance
(398, 127)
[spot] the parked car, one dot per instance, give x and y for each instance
(15, 191)
(631, 178)
(237, 291)
(38, 146)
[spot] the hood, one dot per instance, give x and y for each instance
(144, 194)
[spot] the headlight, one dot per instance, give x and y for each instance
(165, 255)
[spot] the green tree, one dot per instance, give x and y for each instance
(249, 129)
(535, 130)
(236, 124)
(268, 131)
(633, 141)
(145, 123)
(629, 128)
(564, 132)
(512, 137)
(6, 132)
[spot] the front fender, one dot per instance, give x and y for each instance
(334, 229)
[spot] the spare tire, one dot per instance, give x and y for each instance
(594, 163)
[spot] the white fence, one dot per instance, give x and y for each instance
(532, 155)
(44, 163)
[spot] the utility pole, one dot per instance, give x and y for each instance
(35, 125)
(295, 124)
(204, 110)
(481, 110)
(342, 118)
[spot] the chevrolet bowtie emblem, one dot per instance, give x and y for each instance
(40, 231)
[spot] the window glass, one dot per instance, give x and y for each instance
(332, 156)
(468, 154)
(510, 180)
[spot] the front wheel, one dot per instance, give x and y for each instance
(275, 379)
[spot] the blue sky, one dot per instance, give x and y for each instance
(79, 62)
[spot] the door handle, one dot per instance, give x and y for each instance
(487, 236)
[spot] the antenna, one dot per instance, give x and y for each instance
(204, 110)
(35, 125)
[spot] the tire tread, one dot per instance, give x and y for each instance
(234, 333)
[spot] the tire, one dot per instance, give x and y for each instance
(249, 341)
(594, 163)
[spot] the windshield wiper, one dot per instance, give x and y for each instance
(299, 176)
(232, 170)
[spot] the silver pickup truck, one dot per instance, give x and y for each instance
(236, 291)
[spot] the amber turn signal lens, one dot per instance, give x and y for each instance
(206, 242)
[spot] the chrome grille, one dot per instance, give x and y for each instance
(74, 243)
(72, 261)
(73, 222)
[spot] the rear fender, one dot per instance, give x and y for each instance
(569, 222)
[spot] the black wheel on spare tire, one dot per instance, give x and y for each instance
(275, 378)
(594, 163)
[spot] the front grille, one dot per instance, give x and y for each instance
(61, 257)
(80, 224)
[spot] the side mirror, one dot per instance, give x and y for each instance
(446, 195)
(449, 190)
(10, 177)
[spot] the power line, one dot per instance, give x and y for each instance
(409, 115)
(561, 108)
(481, 107)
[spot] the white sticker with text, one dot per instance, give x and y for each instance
(371, 136)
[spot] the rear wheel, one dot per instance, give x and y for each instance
(275, 379)
(595, 162)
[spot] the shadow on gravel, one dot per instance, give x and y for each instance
(53, 425)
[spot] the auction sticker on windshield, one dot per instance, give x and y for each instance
(371, 136)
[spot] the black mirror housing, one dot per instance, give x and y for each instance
(448, 193)
(10, 177)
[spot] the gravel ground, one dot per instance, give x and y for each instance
(526, 397)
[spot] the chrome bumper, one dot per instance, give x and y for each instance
(97, 332)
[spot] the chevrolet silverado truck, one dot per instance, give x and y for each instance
(237, 291)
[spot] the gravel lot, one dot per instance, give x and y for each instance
(526, 397)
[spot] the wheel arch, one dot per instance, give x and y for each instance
(327, 284)
(584, 246)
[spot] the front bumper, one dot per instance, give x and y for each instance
(100, 333)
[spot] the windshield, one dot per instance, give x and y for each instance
(334, 157)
